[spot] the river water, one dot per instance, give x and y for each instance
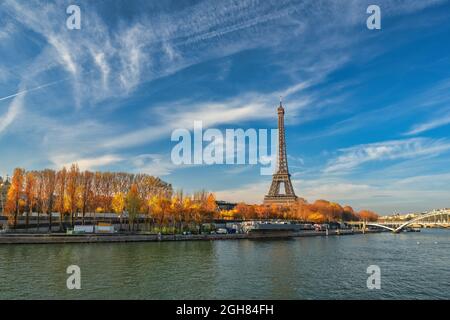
(412, 265)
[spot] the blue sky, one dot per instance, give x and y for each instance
(367, 111)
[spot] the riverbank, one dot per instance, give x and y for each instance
(10, 238)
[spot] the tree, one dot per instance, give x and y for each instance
(118, 205)
(160, 206)
(61, 177)
(211, 206)
(317, 217)
(39, 195)
(49, 185)
(132, 204)
(336, 211)
(73, 178)
(349, 214)
(262, 211)
(187, 210)
(30, 194)
(85, 192)
(14, 195)
(241, 210)
(106, 190)
(154, 207)
(301, 210)
(367, 215)
(177, 209)
(322, 209)
(96, 192)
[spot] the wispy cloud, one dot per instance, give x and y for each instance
(85, 163)
(434, 100)
(153, 164)
(141, 49)
(243, 108)
(430, 124)
(353, 157)
(13, 111)
(152, 46)
(434, 105)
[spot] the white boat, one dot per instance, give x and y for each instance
(269, 226)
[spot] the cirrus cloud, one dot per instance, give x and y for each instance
(355, 156)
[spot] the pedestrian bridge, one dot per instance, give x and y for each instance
(433, 218)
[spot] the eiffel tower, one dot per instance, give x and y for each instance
(282, 175)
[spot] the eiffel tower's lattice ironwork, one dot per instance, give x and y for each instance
(282, 175)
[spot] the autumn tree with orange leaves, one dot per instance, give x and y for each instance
(367, 215)
(318, 212)
(146, 199)
(30, 195)
(14, 196)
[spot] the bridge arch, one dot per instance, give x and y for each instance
(380, 226)
(424, 216)
(397, 227)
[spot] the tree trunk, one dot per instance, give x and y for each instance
(16, 213)
(38, 221)
(15, 220)
(60, 221)
(50, 222)
(27, 219)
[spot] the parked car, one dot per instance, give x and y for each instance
(221, 231)
(321, 227)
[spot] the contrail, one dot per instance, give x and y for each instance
(32, 89)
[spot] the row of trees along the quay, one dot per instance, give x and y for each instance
(142, 202)
(74, 194)
(320, 211)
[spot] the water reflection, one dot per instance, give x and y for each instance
(413, 266)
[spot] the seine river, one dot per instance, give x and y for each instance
(413, 266)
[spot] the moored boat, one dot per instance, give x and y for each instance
(270, 226)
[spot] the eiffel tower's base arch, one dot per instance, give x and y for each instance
(280, 200)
